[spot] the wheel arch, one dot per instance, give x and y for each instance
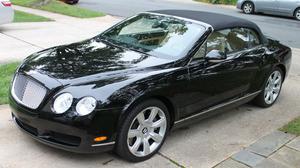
(166, 101)
(283, 69)
(294, 13)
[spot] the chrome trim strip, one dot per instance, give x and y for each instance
(206, 25)
(104, 144)
(217, 107)
(13, 91)
(15, 97)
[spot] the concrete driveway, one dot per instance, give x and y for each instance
(201, 145)
(19, 40)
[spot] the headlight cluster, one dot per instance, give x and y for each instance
(64, 101)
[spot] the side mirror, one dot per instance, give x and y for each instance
(215, 56)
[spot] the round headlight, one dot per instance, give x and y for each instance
(62, 103)
(86, 105)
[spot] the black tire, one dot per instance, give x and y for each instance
(121, 147)
(297, 14)
(250, 9)
(72, 2)
(260, 99)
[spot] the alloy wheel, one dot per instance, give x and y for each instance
(248, 8)
(273, 87)
(147, 131)
(297, 14)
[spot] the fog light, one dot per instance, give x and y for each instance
(101, 138)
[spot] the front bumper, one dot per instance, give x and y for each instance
(57, 134)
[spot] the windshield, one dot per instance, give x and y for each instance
(156, 35)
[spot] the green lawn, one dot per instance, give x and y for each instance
(227, 2)
(6, 73)
(27, 17)
(292, 127)
(59, 7)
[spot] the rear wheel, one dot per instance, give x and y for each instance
(248, 8)
(144, 131)
(272, 88)
(297, 14)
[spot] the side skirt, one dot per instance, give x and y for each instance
(215, 110)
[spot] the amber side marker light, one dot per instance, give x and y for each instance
(101, 138)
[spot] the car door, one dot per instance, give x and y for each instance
(287, 7)
(266, 6)
(215, 82)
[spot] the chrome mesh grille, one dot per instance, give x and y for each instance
(28, 92)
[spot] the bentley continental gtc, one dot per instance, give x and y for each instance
(126, 88)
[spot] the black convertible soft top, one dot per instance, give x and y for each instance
(217, 21)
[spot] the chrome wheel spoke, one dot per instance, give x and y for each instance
(141, 118)
(146, 147)
(276, 90)
(133, 133)
(153, 114)
(158, 123)
(156, 137)
(271, 97)
(136, 145)
(267, 95)
(277, 81)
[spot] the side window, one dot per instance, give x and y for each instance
(229, 41)
(201, 52)
(238, 39)
(217, 41)
(253, 38)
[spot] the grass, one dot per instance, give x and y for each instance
(27, 17)
(292, 127)
(6, 74)
(226, 2)
(59, 7)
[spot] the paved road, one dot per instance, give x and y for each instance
(284, 29)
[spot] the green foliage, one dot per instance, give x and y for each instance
(27, 17)
(58, 7)
(6, 74)
(292, 127)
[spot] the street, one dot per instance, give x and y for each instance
(270, 25)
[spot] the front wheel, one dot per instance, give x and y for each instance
(144, 131)
(271, 89)
(248, 8)
(297, 14)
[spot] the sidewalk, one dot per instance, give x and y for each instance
(19, 40)
(276, 150)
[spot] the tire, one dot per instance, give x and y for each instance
(297, 14)
(248, 8)
(72, 2)
(132, 148)
(262, 99)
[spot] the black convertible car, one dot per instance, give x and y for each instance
(124, 89)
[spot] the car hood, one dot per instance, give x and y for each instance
(90, 58)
